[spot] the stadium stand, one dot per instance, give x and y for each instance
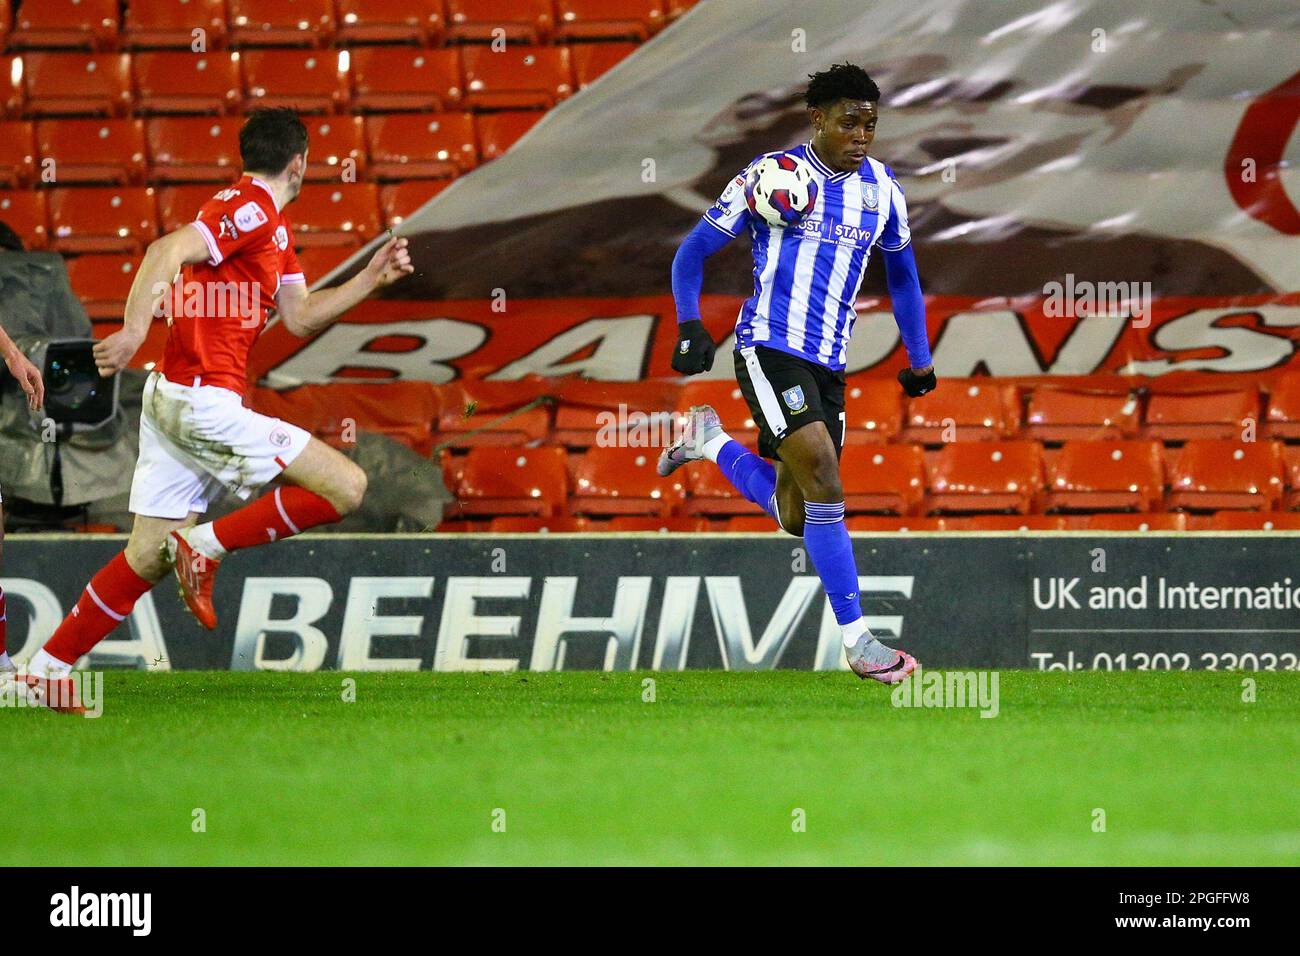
(142, 130)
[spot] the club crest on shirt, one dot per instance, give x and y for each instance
(870, 196)
(281, 238)
(794, 399)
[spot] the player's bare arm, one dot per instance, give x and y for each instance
(164, 258)
(21, 368)
(305, 314)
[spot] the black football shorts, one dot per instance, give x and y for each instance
(786, 392)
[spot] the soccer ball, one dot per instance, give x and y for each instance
(781, 189)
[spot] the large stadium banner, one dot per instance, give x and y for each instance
(624, 602)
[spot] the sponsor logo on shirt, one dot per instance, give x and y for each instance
(227, 230)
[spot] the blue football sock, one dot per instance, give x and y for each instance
(753, 477)
(831, 550)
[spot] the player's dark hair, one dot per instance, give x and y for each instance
(843, 81)
(269, 139)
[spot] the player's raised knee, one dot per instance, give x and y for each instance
(351, 490)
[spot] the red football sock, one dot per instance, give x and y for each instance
(281, 514)
(104, 604)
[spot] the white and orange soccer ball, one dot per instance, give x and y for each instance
(781, 189)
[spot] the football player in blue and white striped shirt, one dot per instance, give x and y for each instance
(792, 338)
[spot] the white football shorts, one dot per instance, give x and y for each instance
(196, 439)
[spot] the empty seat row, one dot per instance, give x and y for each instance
(124, 220)
(761, 524)
(367, 79)
(206, 149)
(964, 477)
(96, 24)
(987, 409)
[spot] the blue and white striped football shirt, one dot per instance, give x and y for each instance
(806, 277)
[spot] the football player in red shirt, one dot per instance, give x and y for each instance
(236, 263)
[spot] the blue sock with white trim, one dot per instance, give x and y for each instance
(753, 477)
(831, 551)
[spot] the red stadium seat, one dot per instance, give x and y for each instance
(399, 78)
(520, 21)
(336, 148)
(1283, 417)
(178, 205)
(185, 149)
(591, 61)
(319, 261)
(93, 150)
(497, 132)
(1065, 414)
(6, 22)
(752, 524)
(1121, 521)
(282, 22)
(624, 481)
(677, 525)
(730, 405)
(60, 84)
(25, 212)
(873, 410)
(17, 153)
(391, 21)
(103, 219)
(516, 77)
(1183, 416)
(969, 410)
(171, 23)
(986, 476)
(414, 146)
(712, 494)
(171, 82)
(887, 523)
(1291, 462)
(1255, 521)
(883, 478)
(513, 481)
(1106, 476)
(401, 200)
(1005, 523)
(524, 524)
(102, 283)
(471, 420)
(307, 81)
(13, 94)
(606, 19)
(337, 214)
(1213, 474)
(80, 24)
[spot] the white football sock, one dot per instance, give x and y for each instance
(5, 663)
(204, 540)
(854, 630)
(45, 664)
(714, 445)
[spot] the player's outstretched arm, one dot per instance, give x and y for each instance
(164, 258)
(694, 349)
(21, 368)
(909, 314)
(306, 313)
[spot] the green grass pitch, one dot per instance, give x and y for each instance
(714, 771)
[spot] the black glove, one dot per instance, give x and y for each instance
(915, 384)
(694, 351)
